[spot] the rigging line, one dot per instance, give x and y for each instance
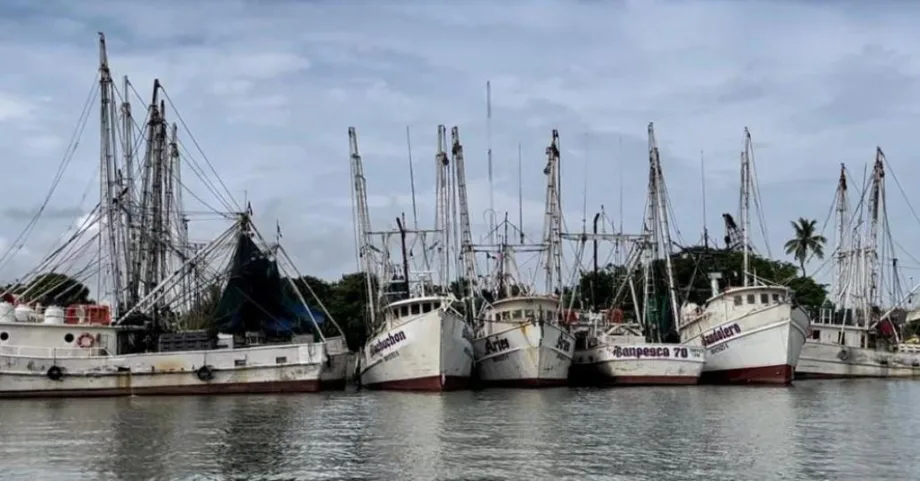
(191, 161)
(197, 146)
(900, 189)
(20, 240)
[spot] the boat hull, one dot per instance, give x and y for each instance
(431, 352)
(524, 355)
(760, 347)
(267, 369)
(637, 365)
(340, 363)
(830, 361)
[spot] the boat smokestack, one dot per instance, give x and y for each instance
(714, 282)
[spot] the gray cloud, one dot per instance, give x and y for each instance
(268, 91)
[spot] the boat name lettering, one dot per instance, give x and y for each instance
(563, 344)
(498, 345)
(721, 333)
(387, 342)
(619, 351)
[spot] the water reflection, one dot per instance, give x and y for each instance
(813, 431)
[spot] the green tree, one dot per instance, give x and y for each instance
(805, 241)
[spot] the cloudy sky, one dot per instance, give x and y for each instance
(268, 89)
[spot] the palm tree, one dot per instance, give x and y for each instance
(805, 241)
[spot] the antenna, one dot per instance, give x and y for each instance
(620, 162)
(584, 201)
(703, 180)
(411, 178)
(520, 193)
(489, 144)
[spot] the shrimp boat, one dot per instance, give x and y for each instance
(418, 340)
(613, 348)
(165, 324)
(753, 333)
(854, 337)
(521, 339)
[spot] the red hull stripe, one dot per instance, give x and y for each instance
(430, 383)
(193, 389)
(780, 374)
(531, 383)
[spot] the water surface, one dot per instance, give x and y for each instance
(816, 430)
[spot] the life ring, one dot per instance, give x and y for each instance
(54, 373)
(86, 340)
(843, 355)
(204, 373)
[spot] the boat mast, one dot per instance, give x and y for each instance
(876, 206)
(746, 208)
(109, 252)
(843, 221)
(552, 221)
(442, 209)
(466, 233)
(362, 225)
(662, 226)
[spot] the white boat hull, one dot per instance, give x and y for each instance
(431, 352)
(759, 347)
(638, 364)
(524, 355)
(828, 361)
(25, 372)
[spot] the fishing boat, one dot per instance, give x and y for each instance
(418, 340)
(753, 333)
(80, 350)
(854, 336)
(521, 338)
(614, 347)
(170, 319)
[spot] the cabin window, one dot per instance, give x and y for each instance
(842, 338)
(281, 360)
(239, 362)
(765, 298)
(737, 300)
(516, 314)
(776, 298)
(4, 336)
(550, 315)
(426, 308)
(416, 309)
(529, 314)
(404, 311)
(816, 335)
(751, 299)
(862, 341)
(68, 338)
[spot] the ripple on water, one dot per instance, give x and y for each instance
(813, 431)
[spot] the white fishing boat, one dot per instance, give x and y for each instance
(81, 351)
(614, 347)
(520, 339)
(621, 355)
(523, 345)
(753, 334)
(424, 345)
(260, 335)
(418, 340)
(854, 337)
